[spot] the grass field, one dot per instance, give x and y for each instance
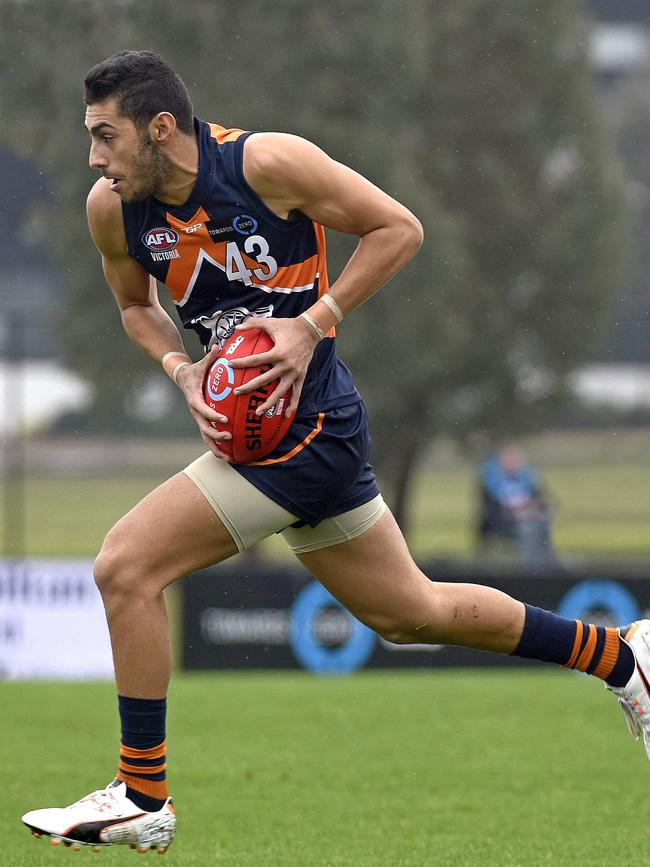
(408, 769)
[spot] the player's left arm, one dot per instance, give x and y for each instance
(292, 174)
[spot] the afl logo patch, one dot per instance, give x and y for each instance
(161, 239)
(244, 225)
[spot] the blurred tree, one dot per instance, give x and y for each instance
(477, 114)
(627, 104)
(497, 122)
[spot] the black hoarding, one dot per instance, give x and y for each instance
(247, 614)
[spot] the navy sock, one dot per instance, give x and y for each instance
(143, 765)
(597, 650)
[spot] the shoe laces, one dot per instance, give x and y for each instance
(102, 798)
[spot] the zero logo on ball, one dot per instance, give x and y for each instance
(215, 380)
(161, 239)
(253, 436)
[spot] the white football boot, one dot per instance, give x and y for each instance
(105, 817)
(634, 697)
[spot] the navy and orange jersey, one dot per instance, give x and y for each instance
(225, 256)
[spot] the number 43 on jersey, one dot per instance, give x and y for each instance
(257, 247)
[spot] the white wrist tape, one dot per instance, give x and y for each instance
(333, 306)
(178, 367)
(314, 324)
(170, 354)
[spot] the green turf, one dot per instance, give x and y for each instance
(69, 516)
(408, 769)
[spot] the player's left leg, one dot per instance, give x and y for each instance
(375, 577)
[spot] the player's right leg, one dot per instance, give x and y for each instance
(195, 519)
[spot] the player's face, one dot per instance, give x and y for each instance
(134, 163)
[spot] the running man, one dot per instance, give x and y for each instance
(232, 222)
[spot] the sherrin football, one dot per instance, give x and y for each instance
(253, 436)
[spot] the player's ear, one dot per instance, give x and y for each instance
(162, 127)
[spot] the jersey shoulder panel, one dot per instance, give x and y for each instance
(222, 135)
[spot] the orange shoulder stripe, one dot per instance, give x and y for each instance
(223, 135)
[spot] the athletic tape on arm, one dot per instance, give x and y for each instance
(333, 306)
(314, 324)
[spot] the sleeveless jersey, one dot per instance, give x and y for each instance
(225, 257)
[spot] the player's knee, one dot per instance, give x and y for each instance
(118, 570)
(400, 635)
(398, 631)
(108, 569)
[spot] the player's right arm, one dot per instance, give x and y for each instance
(144, 319)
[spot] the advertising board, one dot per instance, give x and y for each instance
(279, 617)
(52, 622)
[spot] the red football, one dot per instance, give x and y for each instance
(253, 436)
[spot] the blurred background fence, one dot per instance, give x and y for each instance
(517, 132)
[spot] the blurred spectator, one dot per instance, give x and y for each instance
(513, 507)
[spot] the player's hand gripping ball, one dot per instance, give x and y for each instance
(253, 436)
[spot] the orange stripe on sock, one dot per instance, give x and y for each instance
(586, 657)
(610, 654)
(577, 643)
(152, 788)
(152, 753)
(139, 769)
